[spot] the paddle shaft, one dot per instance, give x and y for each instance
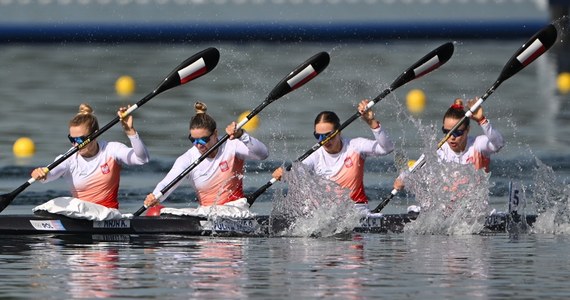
(251, 198)
(190, 69)
(202, 157)
(297, 78)
(90, 138)
(537, 45)
(425, 65)
(211, 150)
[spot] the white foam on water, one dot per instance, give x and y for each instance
(453, 197)
(313, 205)
(551, 197)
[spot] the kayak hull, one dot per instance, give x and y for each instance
(189, 225)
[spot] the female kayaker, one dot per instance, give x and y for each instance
(217, 179)
(342, 159)
(93, 172)
(460, 147)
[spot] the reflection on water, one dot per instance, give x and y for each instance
(91, 272)
(351, 267)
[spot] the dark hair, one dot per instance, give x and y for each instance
(456, 111)
(202, 120)
(85, 117)
(328, 117)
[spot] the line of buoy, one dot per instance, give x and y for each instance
(24, 147)
(416, 101)
(125, 86)
(563, 83)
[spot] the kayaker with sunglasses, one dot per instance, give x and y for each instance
(217, 180)
(342, 159)
(462, 148)
(93, 172)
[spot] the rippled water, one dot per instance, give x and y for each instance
(356, 267)
(43, 86)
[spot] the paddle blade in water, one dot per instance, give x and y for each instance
(531, 50)
(301, 75)
(425, 65)
(197, 65)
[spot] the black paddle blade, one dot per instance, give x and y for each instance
(301, 75)
(197, 65)
(531, 50)
(425, 65)
(6, 199)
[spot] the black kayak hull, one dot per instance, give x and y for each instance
(187, 225)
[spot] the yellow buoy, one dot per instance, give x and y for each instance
(416, 101)
(563, 82)
(252, 124)
(24, 147)
(125, 86)
(411, 163)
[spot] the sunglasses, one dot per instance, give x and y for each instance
(321, 136)
(202, 141)
(77, 139)
(456, 133)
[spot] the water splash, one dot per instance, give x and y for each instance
(454, 198)
(313, 206)
(551, 197)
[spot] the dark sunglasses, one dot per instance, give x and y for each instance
(202, 141)
(321, 136)
(456, 133)
(78, 139)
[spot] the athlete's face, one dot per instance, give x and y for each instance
(80, 133)
(203, 139)
(456, 142)
(334, 145)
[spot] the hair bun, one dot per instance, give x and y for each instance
(85, 109)
(457, 104)
(200, 107)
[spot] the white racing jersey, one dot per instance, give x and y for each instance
(346, 168)
(96, 179)
(478, 149)
(216, 180)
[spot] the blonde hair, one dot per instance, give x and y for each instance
(202, 120)
(200, 107)
(85, 117)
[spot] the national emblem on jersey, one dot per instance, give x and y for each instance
(224, 166)
(348, 162)
(105, 169)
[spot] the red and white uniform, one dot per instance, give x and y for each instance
(216, 180)
(346, 168)
(478, 149)
(96, 179)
